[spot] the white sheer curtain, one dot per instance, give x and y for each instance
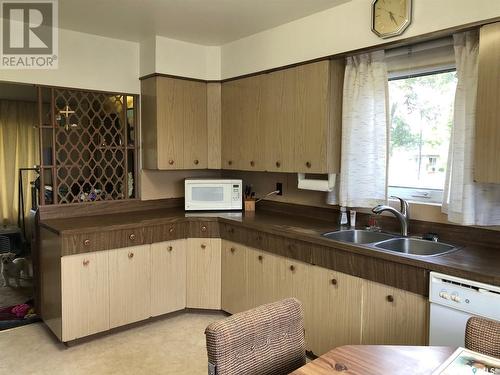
(467, 202)
(363, 176)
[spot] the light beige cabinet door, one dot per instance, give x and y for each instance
(393, 317)
(296, 280)
(174, 123)
(242, 124)
(336, 313)
(281, 97)
(310, 129)
(203, 273)
(265, 271)
(85, 295)
(168, 277)
(129, 285)
(195, 125)
(234, 278)
(487, 140)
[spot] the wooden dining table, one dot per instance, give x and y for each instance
(378, 359)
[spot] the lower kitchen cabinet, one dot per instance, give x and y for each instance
(263, 277)
(393, 316)
(203, 274)
(84, 295)
(234, 277)
(336, 311)
(129, 285)
(168, 277)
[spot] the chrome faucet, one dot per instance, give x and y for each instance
(403, 215)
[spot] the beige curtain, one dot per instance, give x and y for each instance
(18, 149)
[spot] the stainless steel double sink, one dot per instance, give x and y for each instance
(391, 242)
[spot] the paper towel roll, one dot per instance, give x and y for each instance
(316, 184)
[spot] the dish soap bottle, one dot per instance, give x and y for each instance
(343, 218)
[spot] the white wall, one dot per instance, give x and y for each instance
(88, 61)
(175, 57)
(340, 29)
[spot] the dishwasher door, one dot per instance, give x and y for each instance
(447, 326)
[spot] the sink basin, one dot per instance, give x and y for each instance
(358, 236)
(414, 246)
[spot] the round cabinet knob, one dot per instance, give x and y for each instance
(278, 164)
(308, 164)
(86, 242)
(203, 246)
(334, 281)
(130, 255)
(233, 249)
(171, 162)
(196, 162)
(170, 248)
(132, 237)
(292, 268)
(86, 262)
(230, 162)
(171, 230)
(390, 298)
(260, 257)
(203, 228)
(252, 163)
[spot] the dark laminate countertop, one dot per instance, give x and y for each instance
(477, 263)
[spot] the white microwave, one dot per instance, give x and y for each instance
(212, 194)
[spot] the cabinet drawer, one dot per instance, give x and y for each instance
(203, 229)
(123, 238)
(233, 233)
(166, 232)
(289, 248)
(80, 243)
(257, 239)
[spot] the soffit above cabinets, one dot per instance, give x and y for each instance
(206, 22)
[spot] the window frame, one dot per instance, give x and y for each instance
(409, 193)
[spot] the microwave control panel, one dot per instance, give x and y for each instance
(236, 193)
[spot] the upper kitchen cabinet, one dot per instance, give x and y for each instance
(304, 114)
(284, 121)
(174, 123)
(487, 168)
(243, 123)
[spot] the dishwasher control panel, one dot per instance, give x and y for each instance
(465, 295)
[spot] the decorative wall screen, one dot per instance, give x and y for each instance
(88, 146)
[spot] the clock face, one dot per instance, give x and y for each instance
(390, 17)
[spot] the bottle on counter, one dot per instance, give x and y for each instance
(343, 221)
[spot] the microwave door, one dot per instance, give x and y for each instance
(209, 197)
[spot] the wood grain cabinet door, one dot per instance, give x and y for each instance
(85, 295)
(318, 117)
(242, 124)
(393, 316)
(168, 277)
(234, 278)
(487, 141)
(195, 125)
(336, 313)
(265, 271)
(296, 280)
(203, 285)
(281, 97)
(129, 285)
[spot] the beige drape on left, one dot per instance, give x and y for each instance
(18, 149)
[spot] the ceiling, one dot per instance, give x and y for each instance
(207, 22)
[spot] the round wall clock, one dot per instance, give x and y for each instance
(390, 17)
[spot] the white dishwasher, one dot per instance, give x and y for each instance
(453, 301)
